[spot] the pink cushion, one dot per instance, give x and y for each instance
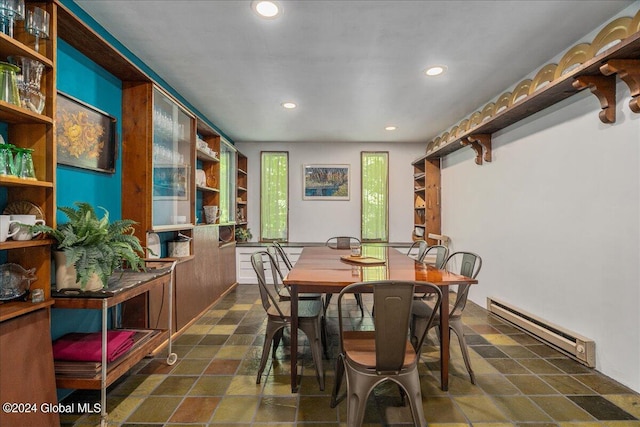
(87, 347)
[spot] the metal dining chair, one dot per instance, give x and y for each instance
(277, 254)
(424, 250)
(369, 358)
(342, 242)
(422, 310)
(279, 317)
(421, 245)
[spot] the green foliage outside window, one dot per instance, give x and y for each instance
(274, 196)
(375, 196)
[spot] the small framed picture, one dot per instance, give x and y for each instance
(326, 182)
(85, 136)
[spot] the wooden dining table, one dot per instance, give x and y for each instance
(322, 270)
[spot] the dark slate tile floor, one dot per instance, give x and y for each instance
(520, 381)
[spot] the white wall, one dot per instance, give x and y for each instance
(556, 219)
(316, 221)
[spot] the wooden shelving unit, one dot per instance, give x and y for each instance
(426, 198)
(241, 191)
(597, 73)
(209, 193)
(25, 326)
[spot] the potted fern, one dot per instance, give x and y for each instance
(88, 249)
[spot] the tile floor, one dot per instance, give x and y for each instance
(521, 382)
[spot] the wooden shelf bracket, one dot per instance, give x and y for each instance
(481, 144)
(475, 146)
(629, 72)
(604, 88)
(485, 141)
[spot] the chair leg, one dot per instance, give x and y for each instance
(359, 387)
(312, 331)
(276, 341)
(359, 301)
(323, 332)
(456, 326)
(417, 326)
(272, 331)
(410, 384)
(338, 380)
(327, 300)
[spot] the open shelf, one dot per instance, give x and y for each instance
(555, 91)
(13, 47)
(118, 367)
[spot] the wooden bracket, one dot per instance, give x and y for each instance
(629, 72)
(476, 147)
(604, 88)
(484, 139)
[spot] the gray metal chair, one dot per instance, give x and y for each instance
(421, 245)
(470, 265)
(279, 317)
(283, 255)
(342, 242)
(424, 249)
(283, 291)
(385, 354)
(441, 253)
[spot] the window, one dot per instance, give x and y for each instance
(375, 196)
(274, 195)
(227, 182)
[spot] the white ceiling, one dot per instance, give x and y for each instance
(353, 67)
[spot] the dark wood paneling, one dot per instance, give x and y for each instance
(26, 360)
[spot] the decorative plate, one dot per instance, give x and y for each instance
(24, 207)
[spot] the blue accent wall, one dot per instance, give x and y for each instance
(83, 79)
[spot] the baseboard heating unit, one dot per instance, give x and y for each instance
(578, 347)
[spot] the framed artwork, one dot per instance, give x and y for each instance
(326, 182)
(171, 182)
(85, 136)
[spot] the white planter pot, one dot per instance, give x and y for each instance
(66, 275)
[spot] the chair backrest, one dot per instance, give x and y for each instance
(470, 265)
(283, 255)
(392, 301)
(441, 252)
(421, 245)
(266, 295)
(341, 242)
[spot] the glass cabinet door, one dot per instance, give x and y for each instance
(172, 151)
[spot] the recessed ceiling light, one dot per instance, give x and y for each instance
(266, 9)
(435, 70)
(391, 128)
(289, 105)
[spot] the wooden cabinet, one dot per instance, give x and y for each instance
(241, 189)
(426, 198)
(26, 361)
(158, 164)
